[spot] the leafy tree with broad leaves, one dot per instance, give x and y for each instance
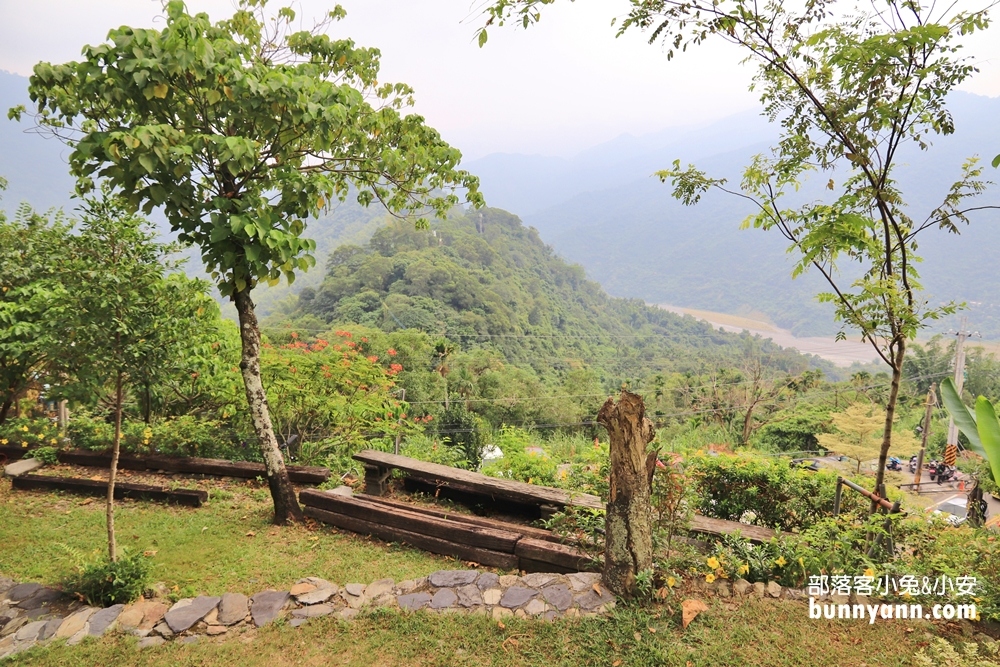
(123, 319)
(849, 86)
(239, 131)
(32, 246)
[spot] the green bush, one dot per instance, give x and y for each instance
(102, 583)
(175, 436)
(464, 431)
(795, 432)
(765, 492)
(519, 464)
(47, 455)
(26, 433)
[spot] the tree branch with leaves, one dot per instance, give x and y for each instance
(240, 131)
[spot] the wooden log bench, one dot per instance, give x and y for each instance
(91, 487)
(191, 465)
(379, 465)
(485, 541)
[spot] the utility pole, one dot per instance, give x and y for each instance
(959, 376)
(399, 423)
(931, 401)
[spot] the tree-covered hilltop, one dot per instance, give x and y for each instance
(482, 279)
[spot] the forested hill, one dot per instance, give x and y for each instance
(482, 279)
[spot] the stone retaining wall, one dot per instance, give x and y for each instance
(32, 614)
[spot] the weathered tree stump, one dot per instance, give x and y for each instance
(629, 535)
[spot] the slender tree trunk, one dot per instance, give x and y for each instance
(286, 507)
(628, 529)
(747, 425)
(5, 408)
(147, 407)
(890, 413)
(113, 473)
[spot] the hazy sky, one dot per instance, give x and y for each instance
(555, 89)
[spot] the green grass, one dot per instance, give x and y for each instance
(201, 551)
(206, 550)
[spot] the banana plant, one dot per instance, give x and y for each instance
(980, 426)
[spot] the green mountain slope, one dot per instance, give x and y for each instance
(481, 279)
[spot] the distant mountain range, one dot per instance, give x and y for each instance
(604, 210)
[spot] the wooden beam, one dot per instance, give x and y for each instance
(394, 517)
(527, 531)
(90, 487)
(426, 542)
(561, 555)
(191, 465)
(710, 526)
(473, 482)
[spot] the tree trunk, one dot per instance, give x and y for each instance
(116, 447)
(628, 529)
(286, 507)
(890, 413)
(748, 425)
(147, 406)
(5, 408)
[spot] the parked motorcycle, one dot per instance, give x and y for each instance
(913, 465)
(943, 472)
(894, 464)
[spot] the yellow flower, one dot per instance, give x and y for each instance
(24, 428)
(869, 572)
(781, 562)
(802, 563)
(709, 578)
(671, 582)
(54, 441)
(24, 443)
(744, 568)
(713, 563)
(3, 441)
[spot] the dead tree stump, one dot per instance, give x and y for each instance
(628, 529)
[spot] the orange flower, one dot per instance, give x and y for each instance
(391, 352)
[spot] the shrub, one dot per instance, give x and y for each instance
(103, 583)
(461, 429)
(26, 433)
(765, 492)
(176, 436)
(794, 433)
(518, 463)
(47, 455)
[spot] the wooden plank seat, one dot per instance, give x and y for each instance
(378, 466)
(91, 487)
(191, 465)
(484, 541)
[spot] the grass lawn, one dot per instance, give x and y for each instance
(204, 551)
(208, 551)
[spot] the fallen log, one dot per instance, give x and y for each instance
(564, 556)
(527, 531)
(90, 487)
(191, 465)
(436, 545)
(718, 527)
(394, 517)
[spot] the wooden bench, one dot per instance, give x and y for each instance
(92, 487)
(379, 465)
(190, 465)
(485, 541)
